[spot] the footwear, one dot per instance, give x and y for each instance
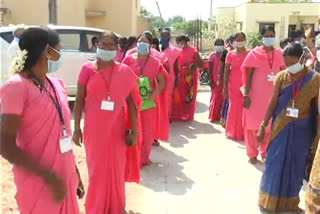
(253, 161)
(156, 143)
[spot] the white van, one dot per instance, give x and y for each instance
(76, 44)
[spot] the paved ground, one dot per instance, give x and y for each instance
(198, 172)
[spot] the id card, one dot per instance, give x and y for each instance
(271, 77)
(107, 105)
(292, 112)
(66, 144)
(242, 90)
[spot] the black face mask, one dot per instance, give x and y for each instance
(164, 43)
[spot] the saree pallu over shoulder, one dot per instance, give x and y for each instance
(289, 148)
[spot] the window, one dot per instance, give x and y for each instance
(292, 28)
(89, 36)
(7, 36)
(70, 40)
(262, 25)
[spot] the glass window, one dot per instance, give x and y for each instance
(262, 25)
(70, 40)
(7, 36)
(89, 37)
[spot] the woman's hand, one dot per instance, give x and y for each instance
(77, 137)
(153, 95)
(246, 102)
(56, 185)
(132, 138)
(261, 134)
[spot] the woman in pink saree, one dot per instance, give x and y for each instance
(35, 129)
(105, 90)
(216, 100)
(152, 82)
(259, 70)
(185, 93)
(232, 85)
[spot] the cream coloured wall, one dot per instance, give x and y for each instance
(251, 14)
(119, 16)
(31, 12)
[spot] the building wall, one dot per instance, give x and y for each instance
(71, 12)
(282, 14)
(31, 12)
(120, 16)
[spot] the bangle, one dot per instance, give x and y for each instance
(134, 132)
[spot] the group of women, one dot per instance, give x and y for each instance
(272, 99)
(126, 106)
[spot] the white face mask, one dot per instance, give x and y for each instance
(181, 46)
(239, 44)
(219, 49)
(268, 41)
(296, 68)
(318, 55)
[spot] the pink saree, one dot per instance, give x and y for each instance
(105, 136)
(39, 135)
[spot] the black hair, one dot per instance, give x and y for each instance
(94, 40)
(219, 41)
(293, 49)
(147, 36)
(267, 28)
(34, 41)
(123, 40)
(239, 34)
(230, 39)
(182, 38)
(284, 42)
(132, 40)
(112, 35)
(156, 42)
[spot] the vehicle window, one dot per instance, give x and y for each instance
(7, 36)
(70, 40)
(89, 36)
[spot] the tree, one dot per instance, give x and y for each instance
(225, 27)
(53, 12)
(145, 13)
(175, 20)
(254, 39)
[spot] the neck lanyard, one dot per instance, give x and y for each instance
(108, 85)
(295, 91)
(270, 61)
(144, 65)
(56, 102)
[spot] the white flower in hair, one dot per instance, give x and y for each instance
(18, 62)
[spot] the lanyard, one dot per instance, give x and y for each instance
(144, 65)
(56, 102)
(270, 61)
(108, 85)
(295, 91)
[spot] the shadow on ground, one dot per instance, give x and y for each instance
(166, 174)
(180, 135)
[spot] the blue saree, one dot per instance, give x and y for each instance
(289, 148)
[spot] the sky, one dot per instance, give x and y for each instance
(190, 9)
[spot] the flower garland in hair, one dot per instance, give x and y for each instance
(17, 64)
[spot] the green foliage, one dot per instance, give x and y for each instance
(254, 39)
(226, 27)
(175, 20)
(145, 13)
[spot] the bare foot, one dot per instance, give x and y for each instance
(253, 161)
(156, 143)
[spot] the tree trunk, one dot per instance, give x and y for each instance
(53, 12)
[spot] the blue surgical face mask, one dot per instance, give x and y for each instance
(106, 55)
(269, 41)
(143, 48)
(53, 66)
